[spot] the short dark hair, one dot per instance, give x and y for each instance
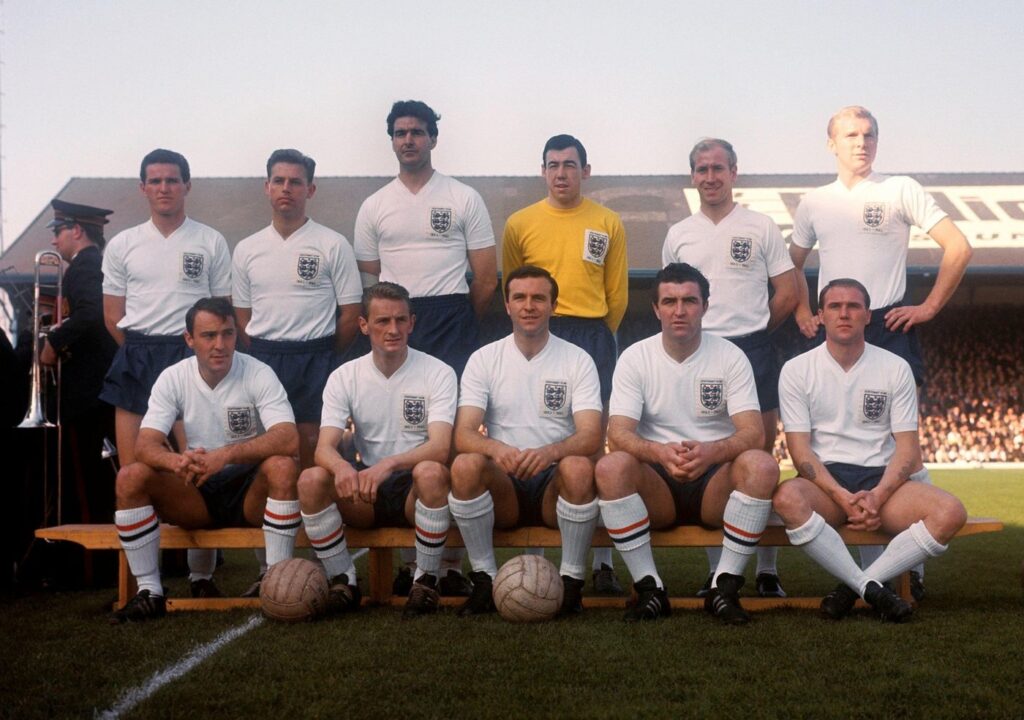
(161, 156)
(385, 290)
(532, 271)
(218, 306)
(413, 108)
(705, 144)
(292, 156)
(848, 283)
(94, 233)
(562, 142)
(678, 273)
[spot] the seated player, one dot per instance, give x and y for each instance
(539, 399)
(686, 434)
(402, 404)
(239, 468)
(849, 410)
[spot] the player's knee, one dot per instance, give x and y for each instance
(466, 471)
(758, 472)
(131, 482)
(788, 501)
(282, 473)
(313, 483)
(431, 479)
(950, 515)
(576, 479)
(611, 472)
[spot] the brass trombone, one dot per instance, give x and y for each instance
(36, 415)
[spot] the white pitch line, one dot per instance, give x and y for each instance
(136, 695)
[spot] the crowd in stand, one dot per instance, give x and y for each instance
(971, 405)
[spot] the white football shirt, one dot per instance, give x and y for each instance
(691, 400)
(294, 286)
(244, 404)
(851, 416)
(863, 232)
(737, 256)
(391, 415)
(161, 278)
(422, 239)
(530, 403)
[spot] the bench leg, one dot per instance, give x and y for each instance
(903, 588)
(380, 574)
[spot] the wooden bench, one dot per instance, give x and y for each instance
(382, 541)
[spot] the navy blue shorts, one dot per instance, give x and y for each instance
(761, 354)
(530, 494)
(593, 335)
(137, 365)
(855, 478)
(303, 367)
(224, 494)
(906, 345)
(389, 507)
(446, 327)
(687, 496)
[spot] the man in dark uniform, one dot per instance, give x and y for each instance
(85, 348)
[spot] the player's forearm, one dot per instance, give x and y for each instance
(282, 439)
(628, 441)
(481, 293)
(431, 450)
(728, 449)
(783, 302)
(157, 456)
(951, 272)
(583, 444)
(471, 441)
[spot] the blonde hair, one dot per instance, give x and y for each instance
(858, 111)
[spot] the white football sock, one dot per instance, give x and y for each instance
(576, 523)
(629, 527)
(326, 534)
(261, 558)
(451, 559)
(767, 558)
(139, 530)
(475, 518)
(714, 555)
(281, 522)
(602, 555)
(905, 551)
(742, 525)
(825, 546)
(201, 563)
(431, 534)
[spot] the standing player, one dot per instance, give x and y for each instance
(850, 414)
(539, 398)
(296, 292)
(861, 224)
(741, 252)
(687, 433)
(152, 275)
(424, 230)
(402, 403)
(239, 468)
(583, 245)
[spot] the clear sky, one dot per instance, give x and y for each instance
(90, 87)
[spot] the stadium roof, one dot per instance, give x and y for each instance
(989, 208)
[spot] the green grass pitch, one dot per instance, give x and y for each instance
(961, 656)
